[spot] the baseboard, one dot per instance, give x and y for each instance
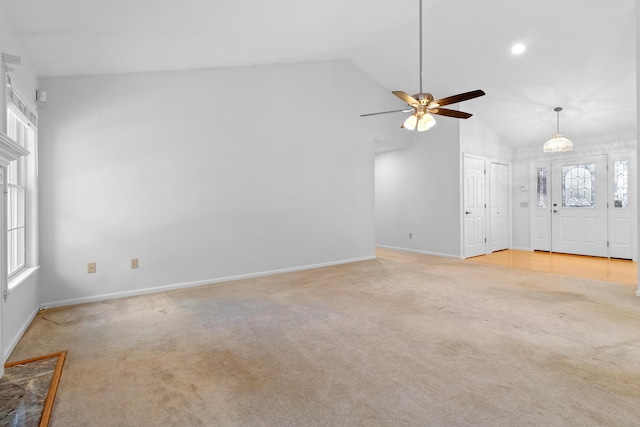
(16, 339)
(145, 291)
(415, 251)
(638, 293)
(521, 248)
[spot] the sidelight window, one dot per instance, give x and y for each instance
(541, 187)
(621, 184)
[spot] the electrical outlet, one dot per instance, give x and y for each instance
(134, 262)
(91, 267)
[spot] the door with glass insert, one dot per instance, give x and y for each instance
(579, 206)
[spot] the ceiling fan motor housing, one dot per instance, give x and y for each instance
(427, 102)
(424, 98)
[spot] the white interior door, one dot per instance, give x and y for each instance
(579, 206)
(474, 207)
(499, 207)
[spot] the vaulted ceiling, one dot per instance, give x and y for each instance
(581, 54)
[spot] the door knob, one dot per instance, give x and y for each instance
(555, 211)
(467, 212)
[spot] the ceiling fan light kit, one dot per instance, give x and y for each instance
(423, 123)
(558, 143)
(423, 105)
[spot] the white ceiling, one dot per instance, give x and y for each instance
(581, 54)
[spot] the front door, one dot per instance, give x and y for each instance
(474, 207)
(579, 206)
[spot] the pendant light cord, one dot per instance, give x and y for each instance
(557, 110)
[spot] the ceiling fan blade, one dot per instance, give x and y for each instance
(450, 113)
(460, 97)
(387, 112)
(406, 98)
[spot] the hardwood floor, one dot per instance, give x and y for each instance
(612, 270)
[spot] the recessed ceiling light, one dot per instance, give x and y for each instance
(518, 48)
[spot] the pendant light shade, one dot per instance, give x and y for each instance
(558, 143)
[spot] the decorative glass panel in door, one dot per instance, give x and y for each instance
(579, 186)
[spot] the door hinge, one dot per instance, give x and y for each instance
(607, 205)
(485, 240)
(607, 243)
(485, 206)
(485, 171)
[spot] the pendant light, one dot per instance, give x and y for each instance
(558, 143)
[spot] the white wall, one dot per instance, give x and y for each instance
(203, 175)
(521, 215)
(478, 139)
(23, 77)
(18, 311)
(418, 192)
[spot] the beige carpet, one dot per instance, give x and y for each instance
(404, 340)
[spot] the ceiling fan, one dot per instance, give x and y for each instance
(423, 105)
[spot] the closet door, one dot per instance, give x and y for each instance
(475, 241)
(499, 206)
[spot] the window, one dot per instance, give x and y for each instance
(579, 186)
(16, 172)
(621, 184)
(19, 190)
(21, 209)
